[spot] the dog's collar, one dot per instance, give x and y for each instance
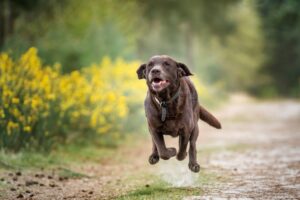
(163, 105)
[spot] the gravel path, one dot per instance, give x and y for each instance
(267, 166)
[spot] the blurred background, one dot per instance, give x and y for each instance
(72, 122)
(68, 66)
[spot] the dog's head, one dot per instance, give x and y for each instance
(162, 72)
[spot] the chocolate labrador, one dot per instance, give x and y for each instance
(172, 108)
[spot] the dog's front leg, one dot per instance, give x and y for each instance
(164, 152)
(154, 157)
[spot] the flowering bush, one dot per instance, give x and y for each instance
(39, 106)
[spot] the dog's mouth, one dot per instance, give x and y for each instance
(159, 84)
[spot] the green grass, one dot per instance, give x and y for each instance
(67, 173)
(74, 154)
(77, 154)
(63, 156)
(62, 161)
(158, 189)
(25, 160)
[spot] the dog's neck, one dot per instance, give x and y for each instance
(167, 101)
(167, 95)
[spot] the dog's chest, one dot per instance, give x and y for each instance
(170, 127)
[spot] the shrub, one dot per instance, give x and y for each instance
(40, 107)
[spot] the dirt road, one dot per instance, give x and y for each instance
(266, 163)
(255, 156)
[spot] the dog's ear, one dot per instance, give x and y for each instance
(141, 71)
(183, 70)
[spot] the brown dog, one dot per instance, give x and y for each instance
(172, 108)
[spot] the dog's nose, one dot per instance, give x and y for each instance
(155, 71)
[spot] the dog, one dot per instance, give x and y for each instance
(172, 108)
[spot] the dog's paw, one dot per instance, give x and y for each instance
(181, 156)
(194, 167)
(153, 159)
(172, 151)
(168, 154)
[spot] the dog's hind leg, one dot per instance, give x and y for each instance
(193, 165)
(154, 157)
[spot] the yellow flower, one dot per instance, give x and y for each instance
(111, 97)
(104, 129)
(75, 114)
(2, 113)
(15, 100)
(11, 126)
(102, 119)
(122, 111)
(45, 114)
(34, 103)
(7, 93)
(29, 119)
(27, 129)
(51, 96)
(94, 119)
(15, 112)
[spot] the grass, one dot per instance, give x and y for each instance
(24, 160)
(161, 190)
(63, 160)
(75, 154)
(67, 173)
(63, 156)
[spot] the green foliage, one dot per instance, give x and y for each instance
(233, 44)
(281, 24)
(234, 59)
(73, 32)
(76, 33)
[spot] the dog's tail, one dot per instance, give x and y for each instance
(209, 118)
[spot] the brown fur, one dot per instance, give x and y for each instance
(182, 113)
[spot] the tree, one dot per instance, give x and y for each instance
(281, 25)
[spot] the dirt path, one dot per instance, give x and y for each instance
(269, 165)
(255, 156)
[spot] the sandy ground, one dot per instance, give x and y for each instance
(257, 152)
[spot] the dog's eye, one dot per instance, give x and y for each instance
(166, 63)
(150, 64)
